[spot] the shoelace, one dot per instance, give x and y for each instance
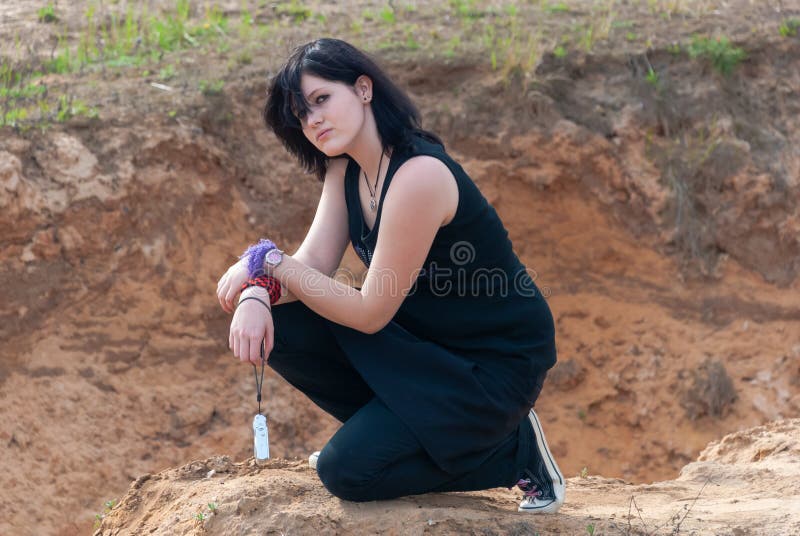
(530, 489)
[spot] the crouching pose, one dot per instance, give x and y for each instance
(434, 363)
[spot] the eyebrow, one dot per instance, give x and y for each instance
(308, 97)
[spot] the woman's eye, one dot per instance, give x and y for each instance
(320, 97)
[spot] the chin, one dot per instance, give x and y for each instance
(332, 151)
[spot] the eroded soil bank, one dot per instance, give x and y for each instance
(662, 222)
(746, 483)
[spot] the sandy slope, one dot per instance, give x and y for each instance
(746, 483)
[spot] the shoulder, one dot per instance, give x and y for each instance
(426, 178)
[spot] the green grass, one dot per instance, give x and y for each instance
(47, 14)
(724, 57)
(511, 36)
(560, 7)
(213, 87)
(789, 27)
(294, 9)
(166, 73)
(98, 518)
(467, 9)
(136, 37)
(387, 15)
(653, 78)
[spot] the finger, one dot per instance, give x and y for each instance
(269, 343)
(235, 345)
(221, 293)
(244, 349)
(230, 341)
(229, 296)
(255, 350)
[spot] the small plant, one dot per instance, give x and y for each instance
(723, 56)
(246, 24)
(411, 42)
(200, 516)
(630, 36)
(652, 77)
(167, 73)
(788, 27)
(588, 38)
(584, 472)
(212, 506)
(559, 51)
(214, 87)
(98, 518)
(294, 9)
(622, 24)
(387, 15)
(244, 57)
(582, 415)
(466, 9)
(590, 529)
(47, 14)
(560, 7)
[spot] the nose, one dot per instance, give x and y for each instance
(313, 118)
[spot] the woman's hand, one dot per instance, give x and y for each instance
(230, 283)
(251, 324)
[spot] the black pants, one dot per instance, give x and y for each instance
(373, 456)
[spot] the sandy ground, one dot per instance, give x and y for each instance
(746, 483)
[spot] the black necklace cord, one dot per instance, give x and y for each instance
(374, 190)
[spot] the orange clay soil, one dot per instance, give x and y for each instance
(662, 225)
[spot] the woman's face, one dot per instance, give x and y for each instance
(336, 112)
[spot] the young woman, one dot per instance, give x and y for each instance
(434, 363)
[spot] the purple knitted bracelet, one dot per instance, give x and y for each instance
(255, 254)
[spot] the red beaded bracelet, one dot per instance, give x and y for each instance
(268, 282)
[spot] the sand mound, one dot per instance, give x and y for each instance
(746, 483)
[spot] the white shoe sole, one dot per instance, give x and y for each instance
(550, 506)
(312, 460)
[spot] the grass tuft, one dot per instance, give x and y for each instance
(724, 57)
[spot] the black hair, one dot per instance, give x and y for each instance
(396, 117)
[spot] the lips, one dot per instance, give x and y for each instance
(324, 132)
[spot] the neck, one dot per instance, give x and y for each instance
(367, 149)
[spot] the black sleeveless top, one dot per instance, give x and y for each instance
(473, 296)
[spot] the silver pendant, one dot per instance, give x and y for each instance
(372, 204)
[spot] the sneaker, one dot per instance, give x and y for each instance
(543, 485)
(312, 460)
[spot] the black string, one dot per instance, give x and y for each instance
(259, 384)
(258, 300)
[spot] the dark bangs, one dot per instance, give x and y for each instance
(396, 117)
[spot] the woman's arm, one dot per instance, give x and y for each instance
(327, 238)
(422, 197)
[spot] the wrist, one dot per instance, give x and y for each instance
(254, 292)
(258, 254)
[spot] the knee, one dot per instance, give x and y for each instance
(341, 476)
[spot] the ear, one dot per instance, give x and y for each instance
(363, 88)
